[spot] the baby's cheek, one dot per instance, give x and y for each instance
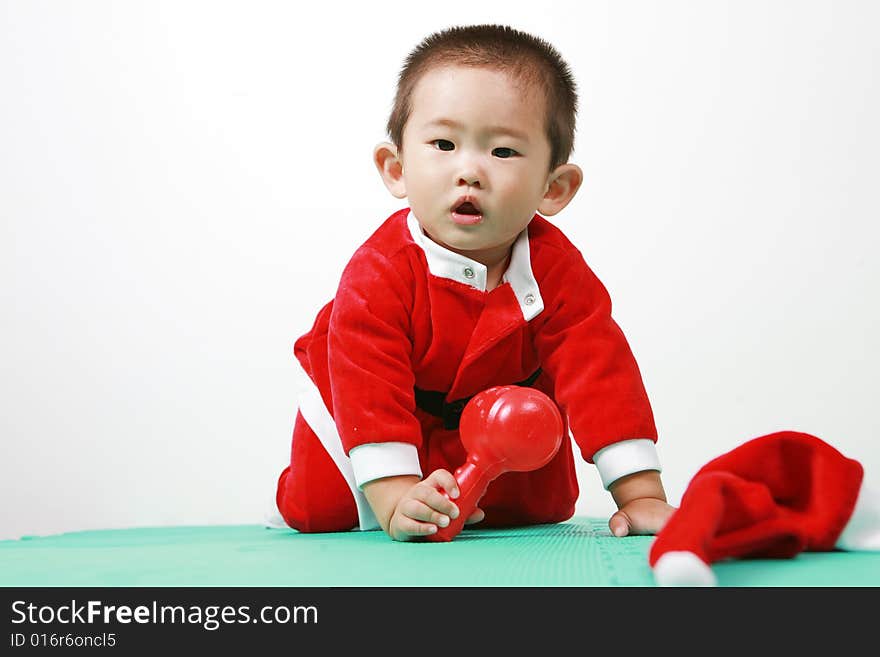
(523, 195)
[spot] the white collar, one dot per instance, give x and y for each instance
(451, 265)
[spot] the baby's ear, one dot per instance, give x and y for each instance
(387, 161)
(562, 185)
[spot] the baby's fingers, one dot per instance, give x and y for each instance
(422, 513)
(403, 528)
(437, 501)
(429, 492)
(443, 479)
(475, 517)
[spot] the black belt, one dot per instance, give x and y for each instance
(434, 403)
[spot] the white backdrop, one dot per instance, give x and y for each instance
(181, 184)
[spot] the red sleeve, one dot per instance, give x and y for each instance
(596, 377)
(370, 353)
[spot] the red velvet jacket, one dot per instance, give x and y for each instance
(410, 314)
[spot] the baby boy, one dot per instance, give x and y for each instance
(467, 288)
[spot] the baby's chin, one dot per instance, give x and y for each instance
(462, 239)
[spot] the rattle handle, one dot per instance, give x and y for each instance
(473, 479)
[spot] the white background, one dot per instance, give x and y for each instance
(181, 184)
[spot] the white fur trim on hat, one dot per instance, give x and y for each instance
(680, 568)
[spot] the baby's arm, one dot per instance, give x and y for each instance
(407, 507)
(641, 503)
(599, 385)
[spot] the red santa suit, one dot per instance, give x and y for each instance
(412, 334)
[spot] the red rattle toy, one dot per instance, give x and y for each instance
(503, 429)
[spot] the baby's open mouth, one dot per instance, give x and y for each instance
(467, 208)
(467, 214)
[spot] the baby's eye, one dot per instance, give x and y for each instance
(444, 144)
(504, 153)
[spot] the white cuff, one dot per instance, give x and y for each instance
(626, 457)
(376, 460)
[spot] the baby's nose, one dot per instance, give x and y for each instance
(470, 169)
(470, 179)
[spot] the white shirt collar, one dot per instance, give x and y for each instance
(451, 265)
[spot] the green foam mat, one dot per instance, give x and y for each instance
(580, 552)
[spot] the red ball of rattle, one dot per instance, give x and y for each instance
(503, 429)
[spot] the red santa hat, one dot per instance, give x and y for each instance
(771, 497)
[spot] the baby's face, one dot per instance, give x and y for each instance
(474, 136)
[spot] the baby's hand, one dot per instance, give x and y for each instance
(644, 515)
(423, 508)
